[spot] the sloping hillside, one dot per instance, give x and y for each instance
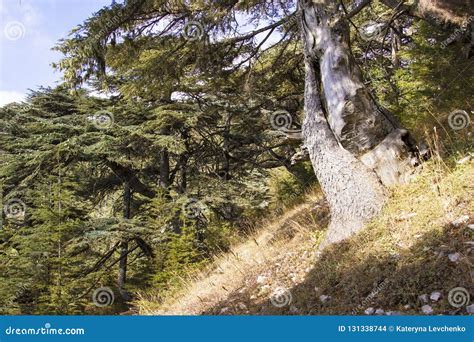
(404, 262)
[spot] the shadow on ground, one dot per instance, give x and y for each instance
(393, 280)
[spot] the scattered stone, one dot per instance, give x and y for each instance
(460, 221)
(423, 298)
(316, 289)
(293, 277)
(470, 309)
(224, 310)
(264, 289)
(427, 309)
(454, 257)
(324, 298)
(406, 216)
(379, 312)
(393, 313)
(293, 309)
(470, 226)
(261, 279)
(464, 160)
(435, 296)
(407, 307)
(242, 306)
(369, 311)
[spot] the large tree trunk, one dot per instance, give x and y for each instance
(352, 190)
(354, 145)
(360, 125)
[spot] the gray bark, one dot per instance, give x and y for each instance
(165, 164)
(123, 248)
(352, 190)
(360, 125)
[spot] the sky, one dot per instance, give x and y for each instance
(28, 31)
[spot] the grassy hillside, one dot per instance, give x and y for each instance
(421, 246)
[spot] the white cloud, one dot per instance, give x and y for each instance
(7, 97)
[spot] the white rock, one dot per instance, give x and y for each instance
(427, 310)
(261, 279)
(423, 298)
(470, 226)
(324, 298)
(464, 160)
(460, 220)
(293, 309)
(316, 289)
(393, 313)
(470, 309)
(379, 311)
(224, 310)
(265, 288)
(406, 216)
(454, 257)
(435, 296)
(369, 311)
(407, 306)
(242, 306)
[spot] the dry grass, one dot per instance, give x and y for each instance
(229, 271)
(404, 253)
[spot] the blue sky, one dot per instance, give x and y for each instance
(29, 29)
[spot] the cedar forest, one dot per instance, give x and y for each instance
(216, 115)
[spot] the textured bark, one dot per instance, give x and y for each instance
(165, 164)
(352, 190)
(395, 44)
(128, 175)
(359, 124)
(123, 248)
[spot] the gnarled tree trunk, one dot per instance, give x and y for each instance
(360, 125)
(355, 145)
